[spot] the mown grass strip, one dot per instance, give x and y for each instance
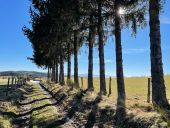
(46, 112)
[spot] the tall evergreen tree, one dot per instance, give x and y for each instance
(120, 111)
(133, 14)
(90, 57)
(158, 86)
(101, 49)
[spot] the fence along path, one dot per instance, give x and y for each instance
(13, 83)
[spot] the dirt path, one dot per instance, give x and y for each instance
(65, 117)
(23, 120)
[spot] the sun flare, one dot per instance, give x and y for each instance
(121, 11)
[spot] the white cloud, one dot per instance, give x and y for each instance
(96, 61)
(134, 51)
(108, 61)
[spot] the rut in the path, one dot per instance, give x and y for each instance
(26, 103)
(66, 115)
(23, 121)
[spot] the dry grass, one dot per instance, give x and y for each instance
(136, 96)
(137, 110)
(136, 93)
(7, 104)
(136, 87)
(3, 80)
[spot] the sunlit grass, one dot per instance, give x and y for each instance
(5, 122)
(7, 103)
(3, 80)
(136, 87)
(136, 93)
(45, 115)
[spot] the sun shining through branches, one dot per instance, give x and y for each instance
(121, 11)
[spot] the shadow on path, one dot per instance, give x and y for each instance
(41, 107)
(71, 112)
(92, 115)
(31, 102)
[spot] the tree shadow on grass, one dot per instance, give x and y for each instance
(10, 96)
(130, 120)
(31, 102)
(36, 94)
(41, 107)
(17, 117)
(52, 92)
(92, 115)
(106, 117)
(8, 114)
(71, 111)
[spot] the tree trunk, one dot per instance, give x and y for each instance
(53, 72)
(90, 58)
(101, 50)
(158, 87)
(110, 86)
(120, 110)
(76, 81)
(68, 62)
(61, 77)
(56, 72)
(149, 90)
(48, 74)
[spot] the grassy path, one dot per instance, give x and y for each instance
(43, 108)
(36, 108)
(66, 111)
(23, 120)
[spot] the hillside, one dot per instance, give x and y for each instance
(23, 73)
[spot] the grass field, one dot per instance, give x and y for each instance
(3, 80)
(136, 87)
(136, 93)
(7, 103)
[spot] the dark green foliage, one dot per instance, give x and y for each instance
(60, 27)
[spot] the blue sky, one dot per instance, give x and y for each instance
(15, 48)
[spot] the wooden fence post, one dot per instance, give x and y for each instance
(110, 88)
(15, 83)
(12, 84)
(7, 86)
(15, 80)
(149, 88)
(21, 82)
(82, 82)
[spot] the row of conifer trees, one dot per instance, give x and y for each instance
(61, 27)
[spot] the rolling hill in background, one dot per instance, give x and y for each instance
(23, 73)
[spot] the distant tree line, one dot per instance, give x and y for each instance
(23, 73)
